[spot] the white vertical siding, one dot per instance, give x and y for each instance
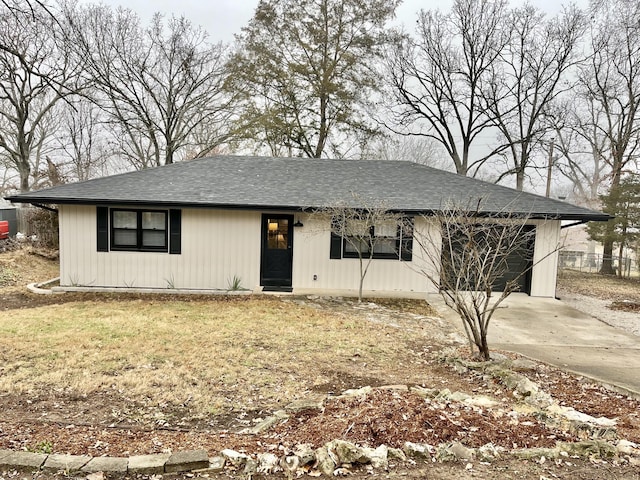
(220, 244)
(545, 258)
(311, 257)
(216, 245)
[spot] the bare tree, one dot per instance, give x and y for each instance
(156, 84)
(365, 232)
(305, 67)
(582, 149)
(438, 77)
(81, 140)
(471, 252)
(531, 71)
(611, 81)
(35, 76)
(424, 151)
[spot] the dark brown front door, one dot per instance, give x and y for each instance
(277, 252)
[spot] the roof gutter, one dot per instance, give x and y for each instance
(579, 222)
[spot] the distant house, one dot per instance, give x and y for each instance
(197, 225)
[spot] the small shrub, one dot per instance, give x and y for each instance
(44, 225)
(235, 284)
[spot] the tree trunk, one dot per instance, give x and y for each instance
(607, 256)
(483, 349)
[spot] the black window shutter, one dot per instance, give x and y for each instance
(102, 216)
(406, 252)
(175, 232)
(406, 239)
(336, 246)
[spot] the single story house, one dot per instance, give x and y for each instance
(210, 223)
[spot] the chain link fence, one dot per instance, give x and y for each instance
(592, 263)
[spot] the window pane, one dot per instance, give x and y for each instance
(277, 233)
(357, 228)
(154, 220)
(124, 238)
(355, 245)
(385, 245)
(387, 229)
(123, 219)
(153, 238)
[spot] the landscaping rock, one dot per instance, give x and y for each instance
(417, 450)
(529, 453)
(481, 401)
(236, 459)
(454, 452)
(148, 464)
(267, 463)
(250, 467)
(307, 404)
(628, 448)
(425, 392)
(524, 364)
(106, 464)
(22, 461)
(261, 427)
(377, 457)
(305, 453)
(396, 454)
(576, 416)
(489, 452)
(290, 465)
(187, 461)
(594, 448)
(216, 464)
(325, 462)
(67, 463)
(346, 452)
(357, 392)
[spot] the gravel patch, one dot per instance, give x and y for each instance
(598, 308)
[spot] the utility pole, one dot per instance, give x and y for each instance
(550, 167)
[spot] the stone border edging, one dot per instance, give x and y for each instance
(330, 458)
(184, 461)
(37, 287)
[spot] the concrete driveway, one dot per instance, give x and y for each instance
(550, 331)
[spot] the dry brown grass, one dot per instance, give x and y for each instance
(23, 266)
(195, 356)
(217, 356)
(605, 287)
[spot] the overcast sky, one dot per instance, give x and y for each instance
(223, 18)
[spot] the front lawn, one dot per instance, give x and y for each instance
(123, 374)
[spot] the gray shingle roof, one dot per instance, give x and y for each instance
(297, 183)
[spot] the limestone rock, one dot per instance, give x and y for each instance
(346, 452)
(325, 462)
(267, 463)
(396, 454)
(305, 453)
(417, 450)
(377, 457)
(628, 448)
(489, 452)
(425, 392)
(290, 465)
(529, 453)
(592, 448)
(454, 452)
(306, 404)
(250, 467)
(236, 459)
(357, 392)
